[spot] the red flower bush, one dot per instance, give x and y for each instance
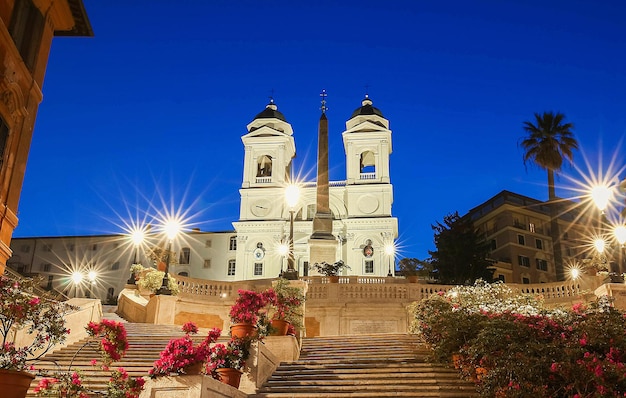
(248, 305)
(114, 343)
(182, 352)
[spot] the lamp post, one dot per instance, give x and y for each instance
(171, 229)
(136, 236)
(620, 235)
(389, 251)
(292, 195)
(283, 251)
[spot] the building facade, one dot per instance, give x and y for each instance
(518, 228)
(26, 32)
(362, 221)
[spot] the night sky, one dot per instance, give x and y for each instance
(149, 113)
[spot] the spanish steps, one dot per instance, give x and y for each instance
(385, 365)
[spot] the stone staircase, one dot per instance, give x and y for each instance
(388, 365)
(145, 341)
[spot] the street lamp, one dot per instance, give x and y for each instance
(390, 250)
(283, 251)
(601, 195)
(136, 236)
(292, 195)
(171, 228)
(620, 235)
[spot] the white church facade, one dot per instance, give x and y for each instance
(360, 206)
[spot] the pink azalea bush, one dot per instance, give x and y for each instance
(41, 317)
(180, 353)
(112, 344)
(523, 349)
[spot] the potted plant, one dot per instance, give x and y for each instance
(331, 270)
(38, 317)
(226, 362)
(152, 280)
(182, 355)
(286, 307)
(111, 343)
(247, 311)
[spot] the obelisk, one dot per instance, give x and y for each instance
(322, 244)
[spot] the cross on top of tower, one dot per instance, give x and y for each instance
(323, 95)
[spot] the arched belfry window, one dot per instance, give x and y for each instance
(264, 166)
(368, 165)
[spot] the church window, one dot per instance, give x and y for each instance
(185, 253)
(369, 267)
(231, 267)
(264, 166)
(233, 243)
(258, 269)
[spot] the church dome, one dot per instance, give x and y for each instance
(366, 109)
(271, 111)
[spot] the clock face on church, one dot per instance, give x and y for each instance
(260, 207)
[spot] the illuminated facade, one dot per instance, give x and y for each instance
(26, 33)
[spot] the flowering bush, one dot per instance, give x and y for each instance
(182, 352)
(249, 304)
(39, 316)
(153, 280)
(286, 303)
(525, 349)
(121, 385)
(114, 343)
(232, 355)
(112, 347)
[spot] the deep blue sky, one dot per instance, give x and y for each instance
(155, 104)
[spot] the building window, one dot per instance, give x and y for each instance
(542, 264)
(49, 284)
(258, 269)
(184, 273)
(525, 280)
(4, 137)
(306, 268)
(110, 293)
(565, 236)
(116, 265)
(523, 261)
(208, 243)
(47, 248)
(531, 227)
(25, 248)
(45, 267)
(231, 267)
(521, 240)
(185, 252)
(539, 244)
(233, 243)
(26, 29)
(70, 247)
(494, 245)
(94, 247)
(501, 278)
(207, 263)
(369, 266)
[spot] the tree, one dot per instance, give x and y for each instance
(461, 255)
(549, 141)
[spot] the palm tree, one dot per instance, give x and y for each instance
(549, 141)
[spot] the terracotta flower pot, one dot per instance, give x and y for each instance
(242, 330)
(14, 384)
(194, 369)
(280, 327)
(230, 376)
